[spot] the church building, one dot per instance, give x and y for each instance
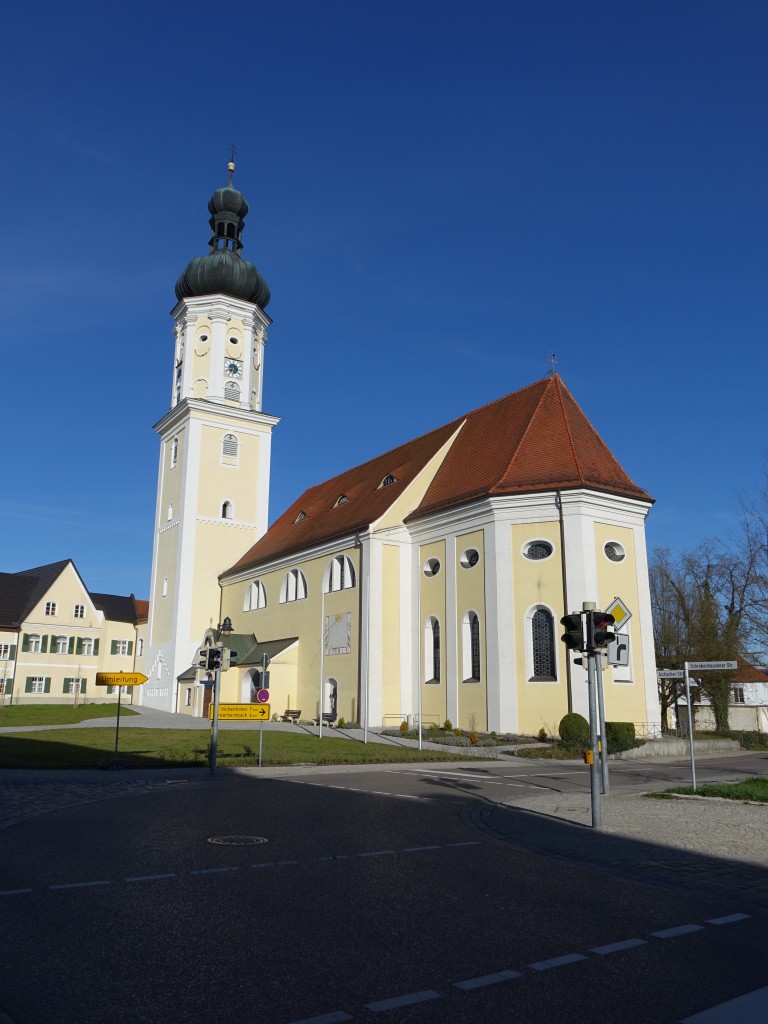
(428, 582)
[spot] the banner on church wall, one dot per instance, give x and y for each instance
(338, 633)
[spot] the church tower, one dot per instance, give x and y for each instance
(215, 441)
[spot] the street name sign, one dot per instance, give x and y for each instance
(241, 712)
(120, 679)
(704, 666)
(670, 673)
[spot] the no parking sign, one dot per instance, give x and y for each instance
(262, 696)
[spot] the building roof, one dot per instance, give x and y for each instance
(21, 591)
(745, 672)
(536, 439)
(249, 650)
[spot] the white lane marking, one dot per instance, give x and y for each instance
(730, 919)
(78, 885)
(394, 1004)
(325, 1018)
(474, 842)
(437, 771)
(264, 864)
(14, 892)
(376, 853)
(149, 878)
(616, 947)
(540, 775)
(751, 1008)
(557, 961)
(411, 849)
(487, 979)
(681, 929)
(213, 871)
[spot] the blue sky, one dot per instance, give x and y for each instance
(441, 194)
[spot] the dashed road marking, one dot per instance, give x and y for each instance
(682, 929)
(151, 878)
(557, 961)
(729, 919)
(399, 1001)
(376, 853)
(79, 885)
(213, 871)
(486, 979)
(419, 849)
(14, 892)
(325, 1018)
(617, 947)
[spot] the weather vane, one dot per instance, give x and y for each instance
(231, 165)
(553, 360)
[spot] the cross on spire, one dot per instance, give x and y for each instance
(553, 360)
(231, 164)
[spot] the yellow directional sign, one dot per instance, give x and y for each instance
(241, 712)
(120, 679)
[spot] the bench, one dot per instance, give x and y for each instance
(291, 716)
(328, 718)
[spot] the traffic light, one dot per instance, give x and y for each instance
(228, 658)
(573, 637)
(214, 659)
(202, 657)
(600, 631)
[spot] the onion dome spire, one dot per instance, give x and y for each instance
(223, 270)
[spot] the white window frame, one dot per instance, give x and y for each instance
(79, 611)
(255, 597)
(35, 643)
(140, 646)
(121, 648)
(62, 643)
(37, 684)
(467, 674)
(293, 587)
(340, 575)
(529, 672)
(5, 652)
(51, 608)
(430, 662)
(87, 646)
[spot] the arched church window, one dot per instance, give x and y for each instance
(470, 647)
(227, 510)
(294, 586)
(432, 650)
(340, 575)
(543, 645)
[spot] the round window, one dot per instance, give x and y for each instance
(431, 567)
(538, 550)
(614, 551)
(469, 558)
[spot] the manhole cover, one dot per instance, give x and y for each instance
(238, 840)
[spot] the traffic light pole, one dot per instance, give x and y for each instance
(601, 713)
(215, 721)
(594, 768)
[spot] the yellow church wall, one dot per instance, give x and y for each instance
(390, 613)
(237, 483)
(470, 596)
(167, 565)
(537, 583)
(303, 619)
(624, 701)
(432, 603)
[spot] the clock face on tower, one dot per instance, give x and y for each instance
(233, 368)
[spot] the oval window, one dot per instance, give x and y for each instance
(538, 550)
(469, 558)
(431, 567)
(614, 551)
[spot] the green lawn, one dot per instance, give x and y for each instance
(57, 714)
(748, 789)
(174, 748)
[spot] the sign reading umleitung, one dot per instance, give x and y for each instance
(241, 712)
(120, 679)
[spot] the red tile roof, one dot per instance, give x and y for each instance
(536, 439)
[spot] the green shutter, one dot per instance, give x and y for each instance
(9, 686)
(44, 644)
(28, 686)
(83, 683)
(67, 685)
(79, 646)
(130, 646)
(13, 652)
(95, 647)
(25, 642)
(110, 689)
(113, 649)
(71, 645)
(47, 687)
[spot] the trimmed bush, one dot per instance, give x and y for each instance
(620, 736)
(574, 730)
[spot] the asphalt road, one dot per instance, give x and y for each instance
(328, 903)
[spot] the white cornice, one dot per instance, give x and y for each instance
(295, 558)
(220, 305)
(188, 407)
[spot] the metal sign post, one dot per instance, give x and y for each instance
(700, 666)
(594, 768)
(215, 719)
(601, 712)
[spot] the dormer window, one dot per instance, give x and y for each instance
(388, 479)
(341, 500)
(300, 517)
